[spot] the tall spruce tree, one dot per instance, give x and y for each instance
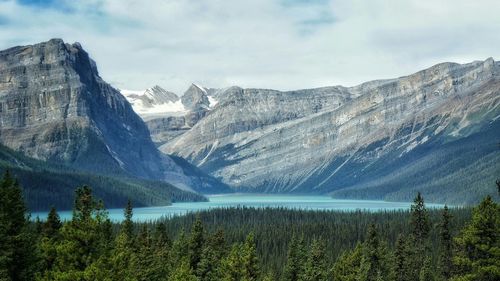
(17, 259)
(375, 263)
(210, 265)
(294, 264)
(445, 263)
(315, 266)
(420, 228)
(402, 259)
(478, 256)
(249, 259)
(233, 269)
(52, 225)
(196, 243)
(50, 236)
(128, 225)
(82, 244)
(347, 266)
(123, 254)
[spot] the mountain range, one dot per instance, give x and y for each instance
(434, 131)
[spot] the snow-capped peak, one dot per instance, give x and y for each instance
(154, 102)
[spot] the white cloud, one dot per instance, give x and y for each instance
(282, 44)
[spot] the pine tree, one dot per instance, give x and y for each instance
(144, 258)
(249, 259)
(420, 228)
(17, 259)
(293, 264)
(210, 265)
(445, 264)
(128, 225)
(49, 238)
(83, 241)
(347, 266)
(179, 250)
(52, 225)
(315, 267)
(218, 243)
(122, 258)
(233, 269)
(478, 256)
(196, 243)
(374, 262)
(123, 254)
(161, 238)
(183, 272)
(402, 259)
(427, 272)
(419, 222)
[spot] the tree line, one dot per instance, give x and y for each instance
(90, 247)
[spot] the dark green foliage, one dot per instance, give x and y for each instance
(52, 225)
(375, 261)
(315, 268)
(453, 171)
(128, 225)
(249, 259)
(47, 184)
(478, 256)
(17, 261)
(403, 259)
(295, 261)
(196, 243)
(427, 272)
(420, 228)
(274, 229)
(419, 220)
(218, 247)
(347, 266)
(445, 257)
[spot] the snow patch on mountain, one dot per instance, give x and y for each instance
(154, 101)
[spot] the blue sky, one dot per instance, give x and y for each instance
(281, 44)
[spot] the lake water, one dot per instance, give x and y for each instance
(303, 202)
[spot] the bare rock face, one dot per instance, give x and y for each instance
(368, 141)
(54, 106)
(195, 98)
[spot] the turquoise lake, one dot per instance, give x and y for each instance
(302, 202)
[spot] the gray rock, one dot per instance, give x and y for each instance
(195, 98)
(327, 139)
(54, 106)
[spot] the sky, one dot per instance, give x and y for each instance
(278, 44)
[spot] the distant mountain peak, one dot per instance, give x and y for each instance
(203, 89)
(153, 102)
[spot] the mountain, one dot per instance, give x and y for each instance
(54, 106)
(436, 131)
(48, 184)
(153, 102)
(169, 117)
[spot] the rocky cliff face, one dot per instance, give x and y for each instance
(54, 106)
(368, 141)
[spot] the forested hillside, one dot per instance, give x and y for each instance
(249, 244)
(47, 184)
